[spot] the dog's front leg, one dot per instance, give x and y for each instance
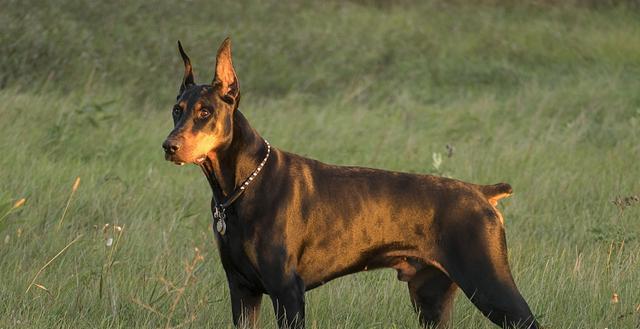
(245, 305)
(288, 303)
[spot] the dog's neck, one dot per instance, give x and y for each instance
(227, 168)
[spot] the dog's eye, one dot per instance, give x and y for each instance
(176, 111)
(204, 113)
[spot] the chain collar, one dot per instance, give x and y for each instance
(219, 210)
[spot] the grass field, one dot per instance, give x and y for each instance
(544, 97)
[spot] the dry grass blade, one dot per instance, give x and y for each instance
(170, 287)
(15, 206)
(148, 307)
(19, 203)
(189, 270)
(74, 188)
(37, 285)
(35, 277)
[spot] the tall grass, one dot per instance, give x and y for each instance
(541, 96)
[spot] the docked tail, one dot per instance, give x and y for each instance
(495, 192)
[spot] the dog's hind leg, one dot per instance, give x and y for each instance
(477, 262)
(432, 294)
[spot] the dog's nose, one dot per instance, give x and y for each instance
(171, 146)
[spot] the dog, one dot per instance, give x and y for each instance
(285, 224)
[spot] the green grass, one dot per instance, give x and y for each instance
(543, 97)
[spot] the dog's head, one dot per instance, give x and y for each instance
(203, 114)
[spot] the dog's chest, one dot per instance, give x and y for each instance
(238, 258)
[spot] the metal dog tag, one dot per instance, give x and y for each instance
(221, 227)
(219, 217)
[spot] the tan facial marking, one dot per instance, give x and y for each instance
(203, 143)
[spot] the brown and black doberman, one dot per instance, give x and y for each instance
(285, 224)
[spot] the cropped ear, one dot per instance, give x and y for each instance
(225, 75)
(188, 79)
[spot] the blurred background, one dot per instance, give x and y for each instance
(540, 94)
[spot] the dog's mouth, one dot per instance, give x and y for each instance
(181, 162)
(174, 158)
